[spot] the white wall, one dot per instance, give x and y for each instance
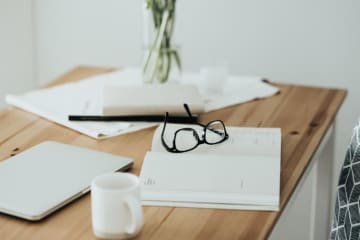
(16, 47)
(102, 33)
(305, 42)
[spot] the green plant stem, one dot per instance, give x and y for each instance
(161, 52)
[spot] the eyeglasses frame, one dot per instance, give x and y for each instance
(200, 141)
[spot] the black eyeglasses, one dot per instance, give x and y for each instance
(187, 139)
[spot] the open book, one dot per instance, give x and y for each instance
(241, 173)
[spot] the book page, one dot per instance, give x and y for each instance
(241, 141)
(201, 178)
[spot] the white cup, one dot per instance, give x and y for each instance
(214, 79)
(116, 206)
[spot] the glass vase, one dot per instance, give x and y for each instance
(162, 61)
(162, 66)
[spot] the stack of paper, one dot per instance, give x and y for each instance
(86, 98)
(241, 173)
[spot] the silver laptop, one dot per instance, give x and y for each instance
(46, 177)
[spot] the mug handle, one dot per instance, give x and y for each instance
(136, 215)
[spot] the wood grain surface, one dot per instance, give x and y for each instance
(303, 113)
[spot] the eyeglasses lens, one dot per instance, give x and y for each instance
(215, 132)
(185, 139)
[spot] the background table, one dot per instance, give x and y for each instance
(303, 113)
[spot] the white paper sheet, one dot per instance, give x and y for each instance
(85, 98)
(237, 89)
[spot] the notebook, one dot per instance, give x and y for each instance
(46, 177)
(240, 173)
(152, 99)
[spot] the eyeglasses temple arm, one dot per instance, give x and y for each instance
(193, 119)
(188, 110)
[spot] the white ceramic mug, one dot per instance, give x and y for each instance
(214, 78)
(116, 206)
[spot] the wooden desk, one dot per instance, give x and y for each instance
(303, 113)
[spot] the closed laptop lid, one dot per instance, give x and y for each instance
(49, 175)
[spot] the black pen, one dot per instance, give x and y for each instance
(134, 118)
